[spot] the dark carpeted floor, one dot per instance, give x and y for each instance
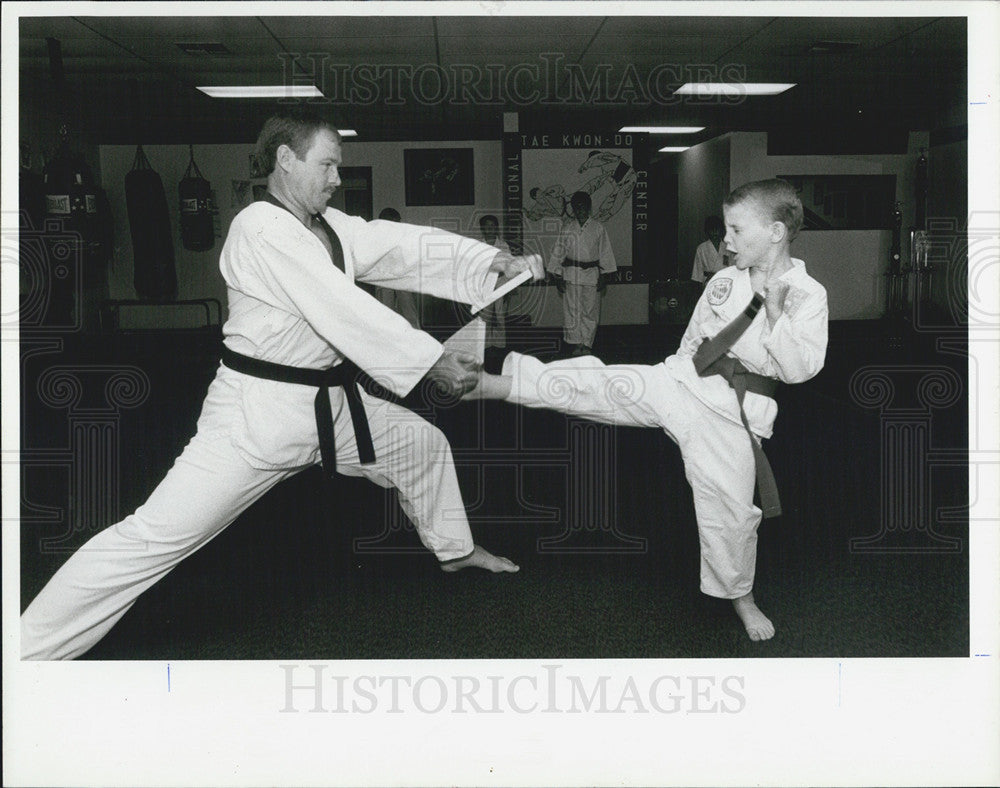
(869, 560)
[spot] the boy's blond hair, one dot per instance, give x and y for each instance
(776, 197)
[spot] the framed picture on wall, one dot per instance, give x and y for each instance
(439, 176)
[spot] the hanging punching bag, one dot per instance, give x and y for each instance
(149, 220)
(71, 204)
(195, 193)
(69, 192)
(71, 199)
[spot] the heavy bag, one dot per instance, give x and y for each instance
(71, 200)
(195, 193)
(152, 241)
(77, 252)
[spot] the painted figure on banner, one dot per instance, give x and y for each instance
(611, 186)
(550, 201)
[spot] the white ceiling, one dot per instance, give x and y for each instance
(124, 77)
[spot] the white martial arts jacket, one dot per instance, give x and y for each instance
(289, 304)
(584, 243)
(707, 260)
(501, 244)
(792, 352)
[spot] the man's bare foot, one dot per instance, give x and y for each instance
(759, 626)
(484, 560)
(490, 387)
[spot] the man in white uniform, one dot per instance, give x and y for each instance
(695, 403)
(710, 256)
(296, 323)
(582, 262)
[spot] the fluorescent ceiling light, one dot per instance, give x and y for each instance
(348, 132)
(704, 89)
(673, 149)
(663, 129)
(262, 91)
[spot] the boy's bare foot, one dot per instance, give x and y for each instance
(484, 560)
(759, 626)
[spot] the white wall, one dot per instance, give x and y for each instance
(389, 186)
(198, 272)
(850, 264)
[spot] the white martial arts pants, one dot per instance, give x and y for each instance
(581, 313)
(208, 487)
(718, 459)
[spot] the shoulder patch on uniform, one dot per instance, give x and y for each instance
(719, 290)
(794, 300)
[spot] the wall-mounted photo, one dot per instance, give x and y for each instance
(439, 176)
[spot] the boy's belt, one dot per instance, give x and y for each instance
(710, 359)
(742, 381)
(568, 263)
(346, 375)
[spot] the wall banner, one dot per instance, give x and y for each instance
(512, 222)
(541, 172)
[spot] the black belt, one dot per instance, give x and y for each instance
(346, 375)
(742, 381)
(568, 263)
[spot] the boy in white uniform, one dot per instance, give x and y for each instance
(710, 256)
(284, 397)
(784, 341)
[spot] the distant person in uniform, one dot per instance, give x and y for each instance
(495, 315)
(582, 262)
(402, 302)
(710, 257)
